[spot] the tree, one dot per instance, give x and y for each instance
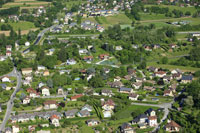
(96, 81)
(133, 23)
(164, 60)
(188, 102)
(19, 33)
(50, 83)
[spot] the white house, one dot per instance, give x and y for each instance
(50, 104)
(55, 120)
(5, 79)
(27, 44)
(133, 96)
(71, 62)
(45, 91)
(40, 67)
(15, 129)
(83, 51)
(26, 100)
(152, 121)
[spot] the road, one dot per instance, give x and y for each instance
(12, 97)
(39, 37)
(166, 107)
(187, 32)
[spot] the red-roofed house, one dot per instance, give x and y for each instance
(55, 120)
(104, 56)
(152, 120)
(160, 74)
(50, 104)
(74, 98)
(172, 126)
(108, 105)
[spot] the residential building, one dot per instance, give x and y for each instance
(26, 71)
(83, 113)
(45, 91)
(26, 100)
(15, 129)
(133, 96)
(186, 79)
(126, 128)
(71, 113)
(150, 112)
(108, 105)
(172, 126)
(106, 92)
(5, 79)
(50, 104)
(74, 98)
(125, 90)
(87, 107)
(55, 120)
(152, 121)
(92, 122)
(168, 93)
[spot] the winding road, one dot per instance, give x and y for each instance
(12, 97)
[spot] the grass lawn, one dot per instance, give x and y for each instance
(172, 7)
(70, 3)
(25, 4)
(126, 112)
(171, 67)
(153, 16)
(23, 25)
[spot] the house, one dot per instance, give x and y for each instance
(71, 113)
(142, 118)
(32, 93)
(172, 126)
(27, 44)
(50, 104)
(160, 74)
(125, 90)
(118, 48)
(177, 76)
(88, 58)
(8, 47)
(31, 128)
(148, 88)
(137, 85)
(2, 58)
(55, 120)
(92, 122)
(142, 126)
(168, 93)
(74, 98)
(107, 113)
(167, 78)
(39, 68)
(137, 79)
(133, 96)
(71, 62)
(152, 121)
(8, 130)
(150, 112)
(45, 91)
(46, 73)
(186, 79)
(8, 53)
(3, 86)
(26, 71)
(108, 105)
(15, 129)
(128, 77)
(153, 69)
(104, 56)
(83, 51)
(60, 91)
(26, 100)
(116, 84)
(83, 113)
(5, 79)
(126, 128)
(118, 78)
(106, 92)
(87, 107)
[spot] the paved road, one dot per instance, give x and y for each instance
(166, 107)
(10, 102)
(74, 36)
(40, 35)
(187, 32)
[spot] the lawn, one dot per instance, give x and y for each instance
(126, 112)
(23, 25)
(172, 7)
(25, 4)
(153, 16)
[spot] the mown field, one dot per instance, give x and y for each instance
(25, 4)
(172, 7)
(20, 25)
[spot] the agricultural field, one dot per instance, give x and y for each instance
(25, 4)
(171, 8)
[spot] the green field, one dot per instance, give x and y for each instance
(152, 16)
(21, 25)
(171, 8)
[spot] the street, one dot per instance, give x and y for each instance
(10, 102)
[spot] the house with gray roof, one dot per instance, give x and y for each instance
(84, 113)
(125, 90)
(71, 113)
